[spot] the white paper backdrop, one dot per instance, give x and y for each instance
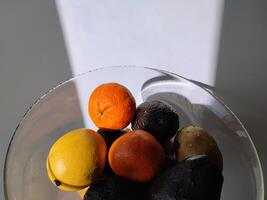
(176, 35)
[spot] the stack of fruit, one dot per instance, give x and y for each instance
(119, 164)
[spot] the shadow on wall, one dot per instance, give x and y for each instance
(32, 60)
(241, 76)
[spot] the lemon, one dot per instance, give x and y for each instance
(76, 159)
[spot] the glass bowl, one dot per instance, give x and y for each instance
(65, 108)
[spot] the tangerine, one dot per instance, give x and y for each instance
(111, 106)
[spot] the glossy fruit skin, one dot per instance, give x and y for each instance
(76, 159)
(196, 178)
(158, 118)
(193, 140)
(117, 188)
(111, 106)
(136, 155)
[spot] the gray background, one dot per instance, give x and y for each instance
(242, 68)
(33, 59)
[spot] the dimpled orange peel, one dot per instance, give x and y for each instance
(111, 106)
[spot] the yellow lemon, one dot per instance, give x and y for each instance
(76, 159)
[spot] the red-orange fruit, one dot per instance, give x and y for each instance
(136, 155)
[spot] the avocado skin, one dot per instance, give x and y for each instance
(116, 188)
(110, 136)
(158, 118)
(196, 178)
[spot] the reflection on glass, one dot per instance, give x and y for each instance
(63, 109)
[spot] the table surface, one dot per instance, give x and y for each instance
(221, 44)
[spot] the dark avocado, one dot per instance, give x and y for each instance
(116, 188)
(109, 137)
(170, 151)
(193, 140)
(196, 178)
(158, 118)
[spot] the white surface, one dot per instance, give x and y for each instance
(176, 35)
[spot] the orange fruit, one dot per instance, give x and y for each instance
(111, 106)
(136, 155)
(82, 192)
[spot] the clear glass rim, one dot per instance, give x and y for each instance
(261, 189)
